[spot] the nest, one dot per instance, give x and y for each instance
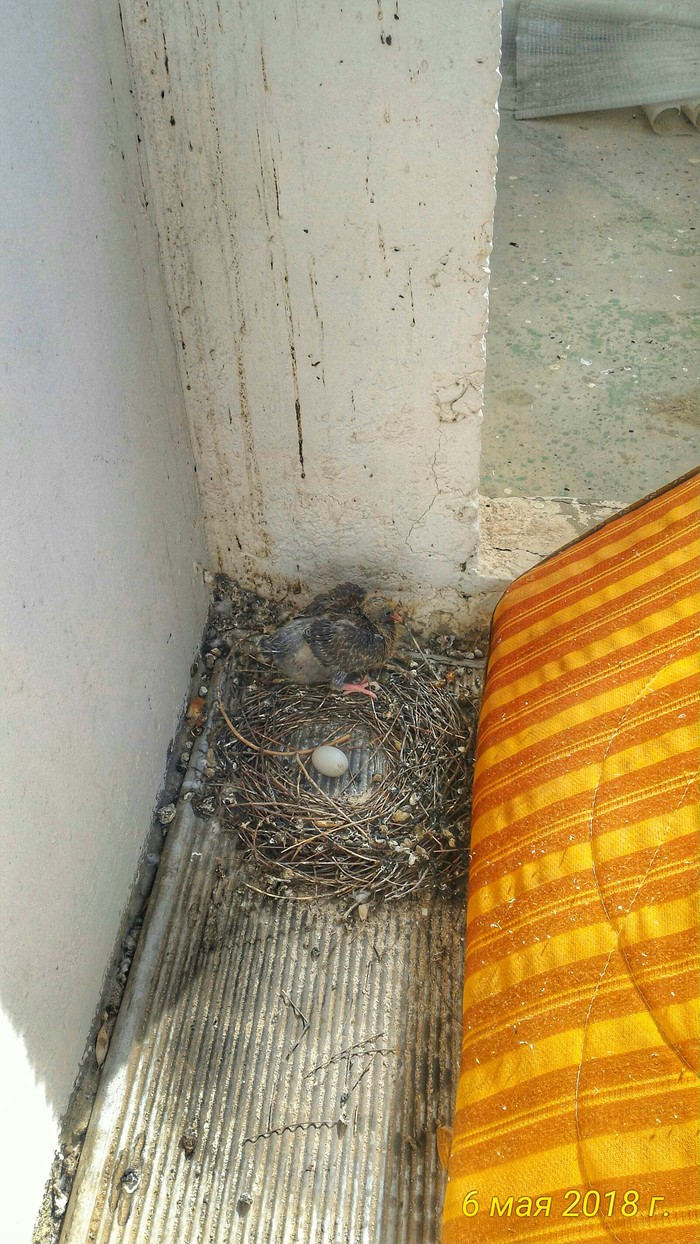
(396, 821)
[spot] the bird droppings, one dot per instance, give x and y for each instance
(130, 1180)
(396, 818)
(244, 1203)
(188, 1140)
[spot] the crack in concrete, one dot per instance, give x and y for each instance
(428, 508)
(517, 548)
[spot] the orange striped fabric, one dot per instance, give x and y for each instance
(578, 1109)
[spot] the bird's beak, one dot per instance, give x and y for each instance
(395, 616)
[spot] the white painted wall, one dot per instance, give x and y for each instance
(323, 183)
(101, 607)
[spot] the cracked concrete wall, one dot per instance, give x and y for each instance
(322, 180)
(517, 532)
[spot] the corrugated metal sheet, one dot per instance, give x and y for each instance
(277, 1071)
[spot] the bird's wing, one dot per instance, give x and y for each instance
(339, 600)
(285, 640)
(345, 646)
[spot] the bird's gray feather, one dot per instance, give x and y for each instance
(346, 646)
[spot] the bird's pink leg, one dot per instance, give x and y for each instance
(363, 687)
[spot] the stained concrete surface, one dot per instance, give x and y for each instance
(593, 371)
(322, 180)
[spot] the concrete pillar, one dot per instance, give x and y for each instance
(322, 179)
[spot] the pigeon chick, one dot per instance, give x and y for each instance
(342, 632)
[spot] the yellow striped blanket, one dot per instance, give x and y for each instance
(578, 1108)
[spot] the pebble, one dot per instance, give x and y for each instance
(167, 814)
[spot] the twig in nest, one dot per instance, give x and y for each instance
(415, 643)
(298, 751)
(298, 898)
(439, 659)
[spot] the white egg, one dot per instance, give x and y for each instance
(330, 761)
